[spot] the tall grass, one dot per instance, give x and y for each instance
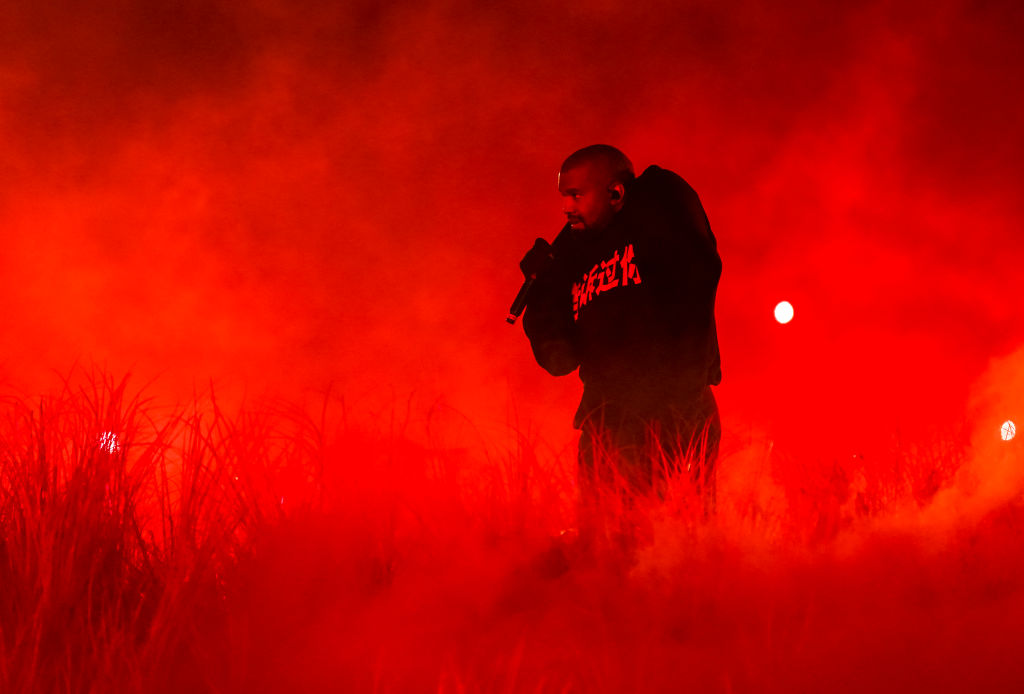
(120, 526)
(151, 549)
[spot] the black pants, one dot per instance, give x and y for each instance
(638, 453)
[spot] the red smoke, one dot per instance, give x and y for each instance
(283, 196)
(291, 196)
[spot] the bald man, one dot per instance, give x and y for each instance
(626, 294)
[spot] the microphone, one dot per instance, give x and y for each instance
(520, 301)
(519, 304)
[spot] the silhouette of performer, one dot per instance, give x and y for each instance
(626, 293)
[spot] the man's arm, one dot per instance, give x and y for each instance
(548, 320)
(682, 247)
(685, 268)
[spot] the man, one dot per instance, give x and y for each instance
(626, 293)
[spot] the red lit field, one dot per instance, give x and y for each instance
(276, 549)
(334, 466)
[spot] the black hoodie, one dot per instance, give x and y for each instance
(633, 305)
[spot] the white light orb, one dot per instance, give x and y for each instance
(783, 312)
(1008, 430)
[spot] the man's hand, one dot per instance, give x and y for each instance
(536, 259)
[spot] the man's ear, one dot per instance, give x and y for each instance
(617, 191)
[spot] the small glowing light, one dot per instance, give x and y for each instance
(1008, 430)
(108, 442)
(783, 312)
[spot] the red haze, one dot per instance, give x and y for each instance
(279, 196)
(282, 196)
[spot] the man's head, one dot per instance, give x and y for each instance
(593, 183)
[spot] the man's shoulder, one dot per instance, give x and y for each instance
(656, 176)
(655, 171)
(665, 188)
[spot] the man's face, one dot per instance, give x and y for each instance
(587, 199)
